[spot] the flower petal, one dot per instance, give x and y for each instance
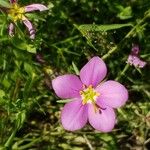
(112, 93)
(11, 29)
(137, 62)
(93, 72)
(102, 120)
(134, 58)
(141, 64)
(74, 115)
(30, 28)
(135, 49)
(34, 7)
(67, 86)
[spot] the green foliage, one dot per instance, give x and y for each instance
(125, 13)
(102, 28)
(67, 35)
(4, 3)
(22, 45)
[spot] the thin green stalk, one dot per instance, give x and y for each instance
(76, 26)
(88, 142)
(29, 144)
(123, 72)
(66, 40)
(11, 138)
(18, 125)
(16, 89)
(114, 49)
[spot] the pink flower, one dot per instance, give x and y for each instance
(39, 58)
(91, 102)
(17, 13)
(134, 58)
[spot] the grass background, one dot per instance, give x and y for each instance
(29, 111)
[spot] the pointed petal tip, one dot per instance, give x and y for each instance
(34, 7)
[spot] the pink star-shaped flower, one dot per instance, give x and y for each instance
(134, 58)
(18, 13)
(92, 101)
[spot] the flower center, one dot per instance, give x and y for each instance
(16, 12)
(89, 95)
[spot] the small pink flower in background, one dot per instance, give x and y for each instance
(39, 58)
(134, 58)
(91, 102)
(17, 13)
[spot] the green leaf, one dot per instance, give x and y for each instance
(18, 43)
(2, 93)
(75, 68)
(96, 28)
(5, 82)
(35, 16)
(22, 45)
(20, 118)
(3, 38)
(3, 3)
(2, 100)
(28, 86)
(2, 19)
(2, 28)
(28, 68)
(64, 101)
(126, 13)
(31, 48)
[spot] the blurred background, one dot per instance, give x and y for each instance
(68, 34)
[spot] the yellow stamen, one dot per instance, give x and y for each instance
(89, 95)
(16, 12)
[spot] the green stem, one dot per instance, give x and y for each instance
(127, 36)
(66, 40)
(10, 139)
(16, 89)
(88, 142)
(123, 72)
(29, 144)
